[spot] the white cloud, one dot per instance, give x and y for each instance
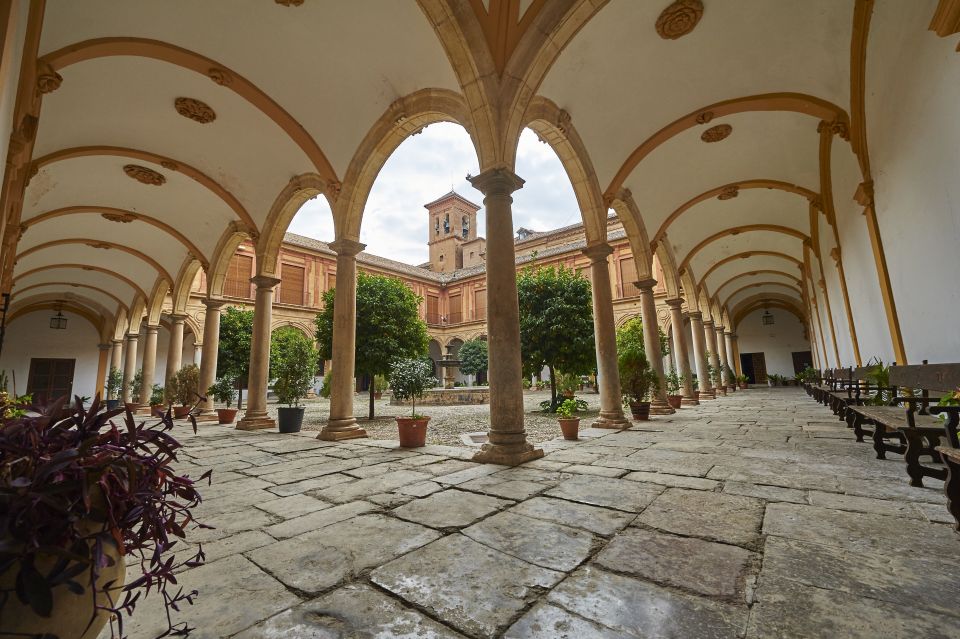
(425, 167)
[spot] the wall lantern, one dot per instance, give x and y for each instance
(767, 318)
(58, 322)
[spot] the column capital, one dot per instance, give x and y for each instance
(104, 347)
(708, 323)
(732, 335)
(264, 281)
(153, 328)
(676, 302)
(133, 336)
(117, 341)
(345, 247)
(598, 252)
(646, 284)
(728, 333)
(694, 315)
(216, 303)
(497, 181)
(718, 327)
(179, 318)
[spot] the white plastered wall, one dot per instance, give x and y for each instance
(777, 342)
(832, 278)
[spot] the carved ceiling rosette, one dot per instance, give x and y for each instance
(194, 109)
(679, 19)
(728, 193)
(716, 133)
(144, 175)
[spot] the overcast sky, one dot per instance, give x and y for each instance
(425, 167)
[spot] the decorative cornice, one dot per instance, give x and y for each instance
(346, 248)
(835, 254)
(144, 175)
(816, 202)
(496, 182)
(196, 110)
(679, 19)
(729, 193)
(716, 133)
(333, 189)
(564, 122)
(864, 194)
(598, 252)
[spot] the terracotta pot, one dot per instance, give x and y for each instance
(226, 415)
(674, 400)
(640, 410)
(744, 385)
(377, 394)
(568, 394)
(413, 432)
(723, 390)
(696, 395)
(131, 406)
(181, 412)
(71, 611)
(570, 427)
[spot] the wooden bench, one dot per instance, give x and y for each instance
(828, 383)
(905, 425)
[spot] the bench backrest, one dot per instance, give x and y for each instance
(932, 377)
(861, 373)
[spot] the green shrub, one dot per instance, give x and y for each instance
(409, 379)
(293, 362)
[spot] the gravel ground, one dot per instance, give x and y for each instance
(447, 423)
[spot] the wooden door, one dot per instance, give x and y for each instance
(50, 379)
(759, 368)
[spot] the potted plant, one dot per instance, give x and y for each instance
(636, 375)
(569, 425)
(293, 362)
(156, 400)
(380, 384)
(695, 383)
(224, 391)
(183, 389)
(714, 373)
(730, 376)
(743, 381)
(135, 385)
(568, 384)
(673, 383)
(409, 379)
(114, 381)
(82, 501)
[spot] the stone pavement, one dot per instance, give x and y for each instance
(755, 515)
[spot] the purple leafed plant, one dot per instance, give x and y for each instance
(70, 488)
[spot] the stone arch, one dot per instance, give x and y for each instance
(746, 228)
(743, 313)
(757, 272)
(298, 190)
(103, 291)
(137, 312)
(689, 291)
(219, 73)
(307, 329)
(155, 302)
(227, 245)
(100, 323)
(796, 289)
(120, 323)
(405, 117)
(626, 209)
(748, 254)
(100, 244)
(668, 265)
(180, 295)
(85, 267)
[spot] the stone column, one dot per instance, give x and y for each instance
(208, 361)
(149, 365)
(197, 353)
(102, 369)
(175, 350)
(711, 339)
(736, 353)
(730, 361)
(129, 366)
(342, 424)
(605, 336)
(699, 355)
(116, 355)
(722, 355)
(680, 352)
(651, 343)
(507, 439)
(256, 416)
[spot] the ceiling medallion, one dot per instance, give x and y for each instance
(122, 218)
(679, 19)
(716, 133)
(728, 193)
(704, 117)
(144, 175)
(195, 110)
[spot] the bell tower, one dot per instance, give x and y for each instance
(452, 228)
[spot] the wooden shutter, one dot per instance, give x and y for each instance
(480, 306)
(433, 309)
(292, 279)
(456, 309)
(628, 275)
(238, 276)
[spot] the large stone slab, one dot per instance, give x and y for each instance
(545, 621)
(450, 509)
(608, 492)
(317, 483)
(539, 542)
(712, 569)
(356, 610)
(472, 587)
(673, 481)
(342, 493)
(228, 524)
(504, 487)
(768, 493)
(318, 560)
(854, 503)
(318, 519)
(714, 516)
(293, 506)
(644, 609)
(602, 521)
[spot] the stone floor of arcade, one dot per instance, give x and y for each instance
(753, 515)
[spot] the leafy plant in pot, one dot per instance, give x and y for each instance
(114, 384)
(569, 425)
(409, 379)
(156, 400)
(224, 391)
(293, 363)
(183, 389)
(637, 378)
(135, 386)
(81, 499)
(673, 382)
(744, 381)
(379, 385)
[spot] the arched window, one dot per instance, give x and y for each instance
(465, 226)
(446, 223)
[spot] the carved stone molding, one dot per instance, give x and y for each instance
(144, 175)
(729, 193)
(194, 109)
(835, 254)
(289, 3)
(99, 245)
(122, 218)
(220, 76)
(716, 133)
(816, 202)
(864, 194)
(564, 121)
(836, 127)
(167, 164)
(704, 117)
(333, 189)
(48, 80)
(679, 19)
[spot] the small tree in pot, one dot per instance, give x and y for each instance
(409, 379)
(114, 384)
(569, 425)
(293, 363)
(636, 376)
(183, 389)
(673, 381)
(224, 391)
(156, 400)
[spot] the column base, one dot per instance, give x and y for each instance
(613, 420)
(660, 407)
(689, 401)
(507, 455)
(337, 429)
(707, 395)
(256, 423)
(208, 416)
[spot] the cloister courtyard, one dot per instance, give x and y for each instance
(754, 515)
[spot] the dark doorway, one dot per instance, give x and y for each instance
(801, 360)
(754, 366)
(50, 379)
